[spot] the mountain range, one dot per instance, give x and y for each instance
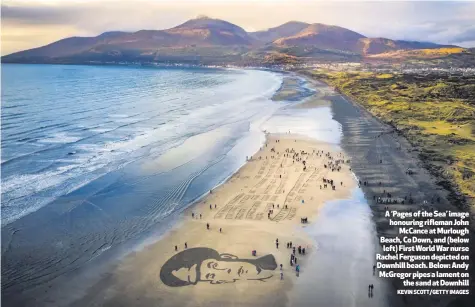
(213, 41)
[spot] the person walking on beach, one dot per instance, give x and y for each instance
(281, 275)
(186, 245)
(219, 230)
(207, 226)
(374, 269)
(176, 248)
(210, 207)
(281, 266)
(192, 215)
(200, 215)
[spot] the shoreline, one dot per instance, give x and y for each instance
(103, 259)
(146, 259)
(454, 197)
(237, 227)
(135, 279)
(380, 155)
(44, 248)
(112, 283)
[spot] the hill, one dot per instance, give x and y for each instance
(185, 41)
(205, 40)
(370, 46)
(204, 31)
(287, 29)
(420, 53)
(324, 37)
(338, 38)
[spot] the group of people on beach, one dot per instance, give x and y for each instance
(327, 182)
(302, 157)
(176, 247)
(193, 215)
(271, 211)
(293, 258)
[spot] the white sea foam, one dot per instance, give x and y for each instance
(316, 123)
(61, 137)
(179, 109)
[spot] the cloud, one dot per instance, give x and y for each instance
(29, 23)
(36, 15)
(465, 35)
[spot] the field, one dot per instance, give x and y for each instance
(436, 113)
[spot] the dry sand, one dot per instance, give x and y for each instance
(270, 180)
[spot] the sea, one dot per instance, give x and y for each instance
(95, 156)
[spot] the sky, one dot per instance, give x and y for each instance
(32, 23)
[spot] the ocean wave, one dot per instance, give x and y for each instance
(60, 138)
(121, 127)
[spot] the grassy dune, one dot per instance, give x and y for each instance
(420, 53)
(435, 113)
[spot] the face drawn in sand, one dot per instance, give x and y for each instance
(202, 264)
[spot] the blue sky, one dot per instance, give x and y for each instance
(32, 23)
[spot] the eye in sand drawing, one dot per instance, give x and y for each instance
(202, 264)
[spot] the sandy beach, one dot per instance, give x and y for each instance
(264, 201)
(288, 179)
(207, 258)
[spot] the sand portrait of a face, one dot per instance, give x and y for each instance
(202, 264)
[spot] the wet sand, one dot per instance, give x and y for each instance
(273, 179)
(381, 157)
